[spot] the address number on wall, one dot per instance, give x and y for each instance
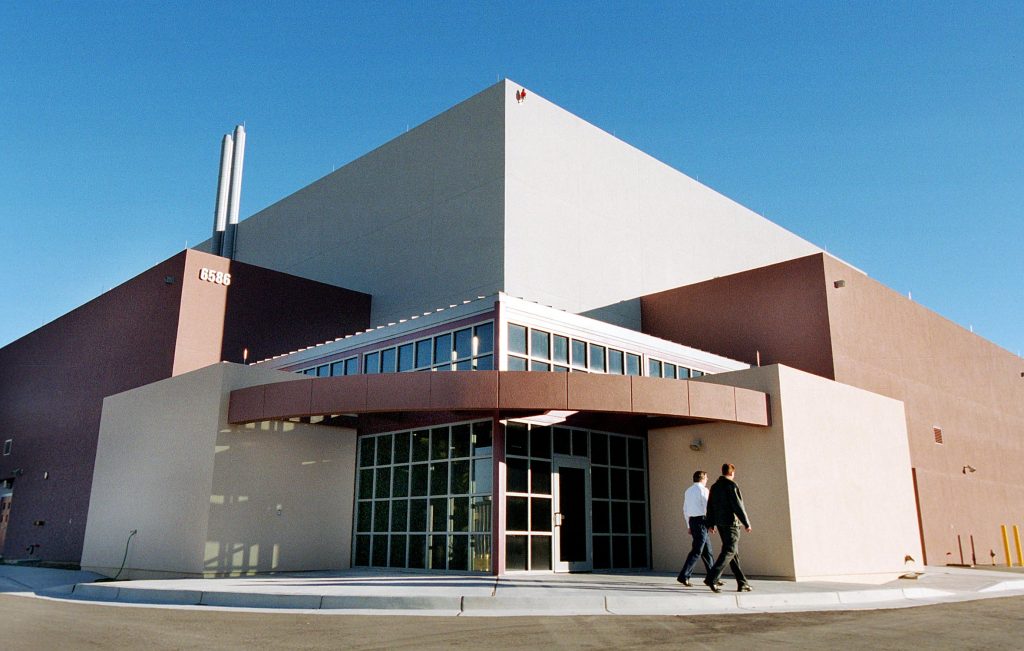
(216, 277)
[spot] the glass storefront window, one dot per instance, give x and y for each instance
(424, 498)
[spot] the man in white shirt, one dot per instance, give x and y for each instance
(695, 507)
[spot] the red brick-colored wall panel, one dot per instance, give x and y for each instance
(246, 405)
(659, 396)
(596, 392)
(478, 389)
(339, 395)
(52, 385)
(288, 399)
(779, 311)
(398, 392)
(270, 313)
(526, 390)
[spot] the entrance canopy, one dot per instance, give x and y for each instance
(518, 392)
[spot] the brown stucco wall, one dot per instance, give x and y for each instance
(866, 335)
(52, 384)
(949, 378)
(53, 380)
(778, 310)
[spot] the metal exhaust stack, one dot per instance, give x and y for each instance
(234, 192)
(220, 211)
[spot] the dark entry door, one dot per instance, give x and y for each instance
(572, 515)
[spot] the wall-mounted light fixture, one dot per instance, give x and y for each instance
(697, 445)
(969, 468)
(839, 284)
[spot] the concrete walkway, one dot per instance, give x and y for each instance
(392, 592)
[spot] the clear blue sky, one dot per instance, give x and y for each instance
(889, 133)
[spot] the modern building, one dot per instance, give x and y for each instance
(503, 342)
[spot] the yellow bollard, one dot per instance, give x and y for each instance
(1006, 545)
(1016, 541)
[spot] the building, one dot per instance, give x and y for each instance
(502, 342)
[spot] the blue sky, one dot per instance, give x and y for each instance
(889, 133)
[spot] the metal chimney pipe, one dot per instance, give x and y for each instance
(220, 211)
(234, 192)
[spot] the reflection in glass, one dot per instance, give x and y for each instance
(420, 445)
(417, 552)
(380, 551)
(560, 349)
(481, 479)
(516, 364)
(482, 439)
(485, 363)
(397, 551)
(384, 450)
(516, 339)
(460, 514)
(579, 353)
(540, 477)
(516, 476)
(653, 368)
(515, 552)
(540, 514)
(371, 363)
(540, 366)
(383, 487)
(540, 442)
(352, 366)
(400, 482)
(366, 483)
(458, 552)
(380, 516)
(516, 518)
(464, 343)
(423, 356)
(615, 362)
(438, 552)
(515, 439)
(364, 521)
(406, 358)
(460, 477)
(480, 514)
(484, 339)
(417, 515)
(480, 553)
(419, 479)
(540, 342)
(670, 371)
(540, 552)
(438, 514)
(439, 478)
(442, 349)
(439, 443)
(399, 515)
(632, 364)
(366, 448)
(402, 447)
(387, 361)
(460, 441)
(597, 358)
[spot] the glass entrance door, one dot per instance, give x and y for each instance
(572, 540)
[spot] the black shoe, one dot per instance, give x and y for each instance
(719, 583)
(714, 586)
(744, 588)
(686, 582)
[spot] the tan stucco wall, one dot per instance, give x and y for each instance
(204, 495)
(827, 485)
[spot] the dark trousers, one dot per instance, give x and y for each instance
(730, 554)
(701, 549)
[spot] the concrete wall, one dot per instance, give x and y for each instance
(827, 485)
(591, 221)
(205, 496)
(417, 222)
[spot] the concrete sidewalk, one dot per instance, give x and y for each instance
(381, 591)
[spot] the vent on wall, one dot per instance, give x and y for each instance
(937, 431)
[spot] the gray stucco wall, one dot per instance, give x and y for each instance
(417, 222)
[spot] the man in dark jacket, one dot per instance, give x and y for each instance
(726, 513)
